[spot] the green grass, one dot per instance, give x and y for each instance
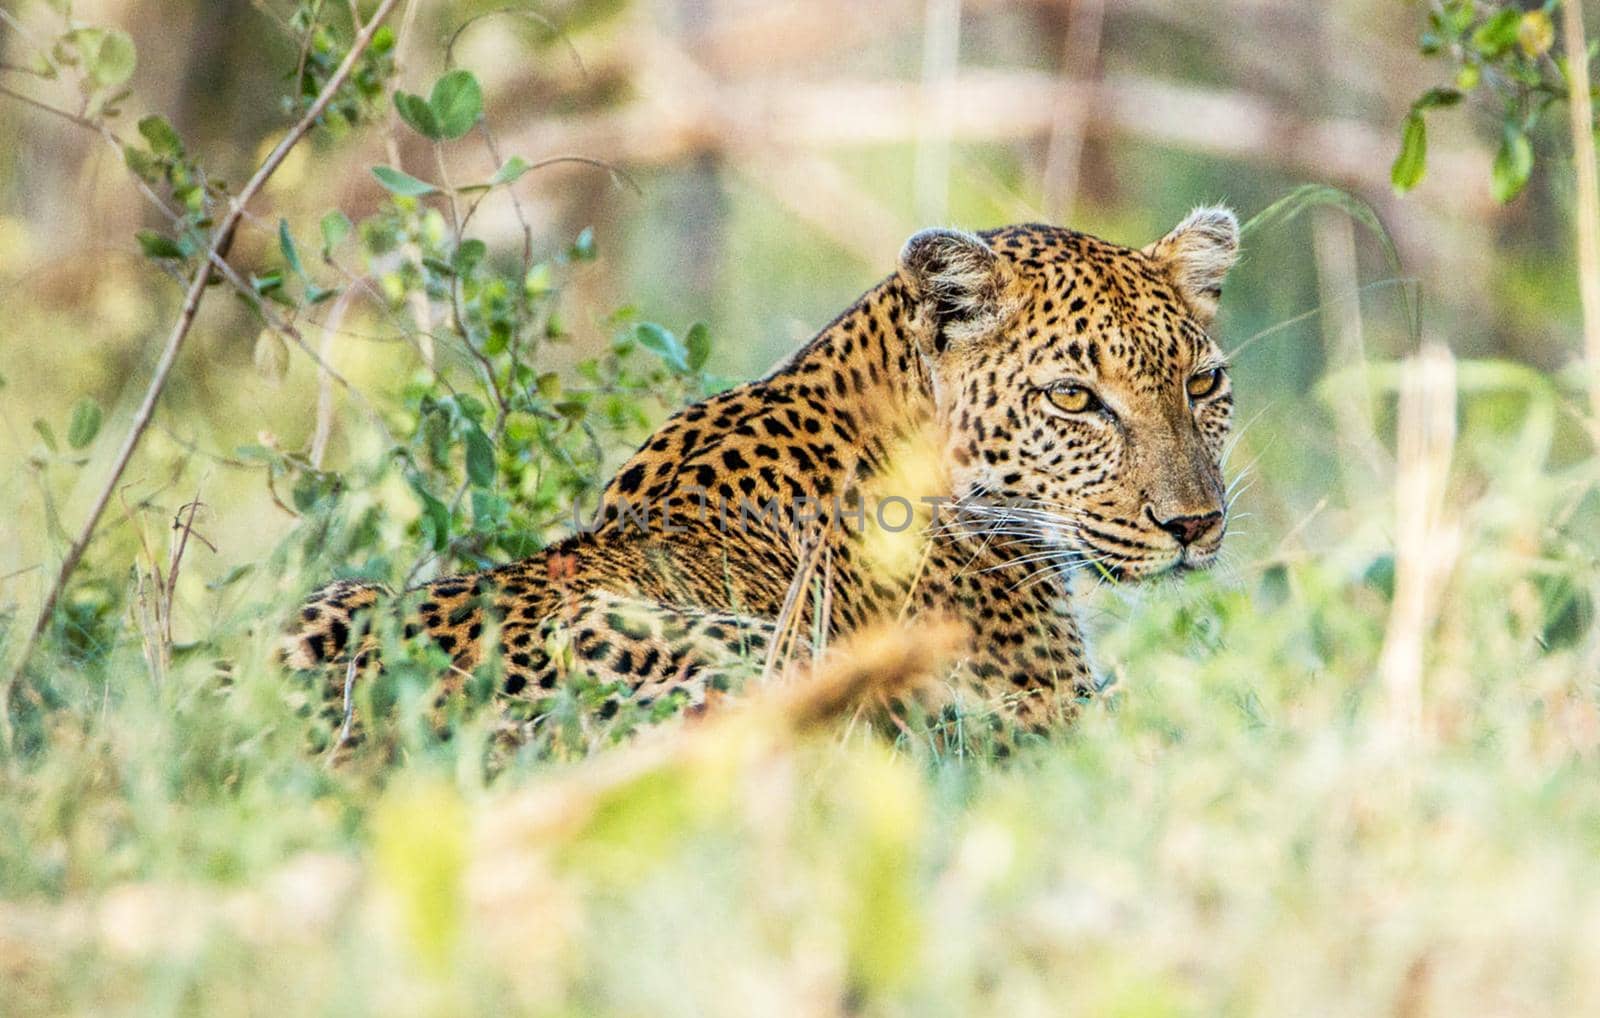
(1240, 827)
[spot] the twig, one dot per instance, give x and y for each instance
(45, 107)
(618, 175)
(305, 46)
(516, 203)
(457, 309)
(180, 331)
(533, 16)
(185, 526)
(1588, 188)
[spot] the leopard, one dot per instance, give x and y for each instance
(1008, 411)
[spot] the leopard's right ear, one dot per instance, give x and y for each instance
(960, 284)
(1197, 254)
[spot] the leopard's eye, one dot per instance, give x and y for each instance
(1204, 384)
(1074, 399)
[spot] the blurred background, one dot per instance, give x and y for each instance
(769, 159)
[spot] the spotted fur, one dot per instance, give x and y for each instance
(1075, 407)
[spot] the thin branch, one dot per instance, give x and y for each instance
(516, 203)
(457, 309)
(45, 107)
(185, 527)
(618, 175)
(533, 16)
(305, 45)
(223, 239)
(21, 69)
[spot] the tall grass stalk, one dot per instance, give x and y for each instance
(1426, 538)
(1581, 112)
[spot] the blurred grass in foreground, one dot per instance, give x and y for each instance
(1242, 826)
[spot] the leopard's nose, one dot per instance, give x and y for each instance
(1189, 529)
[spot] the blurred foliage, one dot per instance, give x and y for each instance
(1504, 51)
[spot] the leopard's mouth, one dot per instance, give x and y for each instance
(1118, 566)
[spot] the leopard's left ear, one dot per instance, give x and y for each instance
(962, 285)
(1197, 255)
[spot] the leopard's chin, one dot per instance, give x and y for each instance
(1120, 569)
(1187, 560)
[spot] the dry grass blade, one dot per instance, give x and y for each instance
(877, 665)
(871, 667)
(1587, 213)
(1427, 538)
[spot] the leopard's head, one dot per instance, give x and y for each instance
(1077, 380)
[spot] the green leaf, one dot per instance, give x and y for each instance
(663, 344)
(539, 280)
(572, 409)
(699, 343)
(335, 226)
(85, 423)
(1437, 98)
(457, 103)
(231, 577)
(108, 56)
(513, 168)
(417, 114)
(40, 65)
(467, 255)
(256, 453)
(291, 256)
(161, 136)
(158, 245)
(480, 459)
(488, 509)
(1512, 166)
(45, 432)
(403, 184)
(435, 515)
(470, 406)
(144, 166)
(1409, 165)
(1498, 34)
